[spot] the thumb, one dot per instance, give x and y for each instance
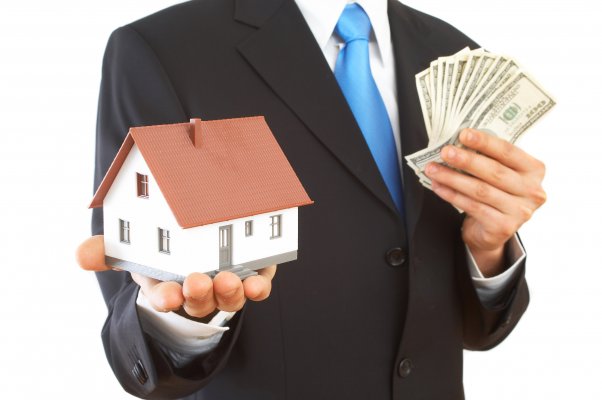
(90, 254)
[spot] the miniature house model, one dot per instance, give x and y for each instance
(202, 196)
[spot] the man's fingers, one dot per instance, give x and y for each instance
(228, 291)
(165, 296)
(90, 255)
(471, 187)
(501, 150)
(258, 287)
(485, 168)
(502, 165)
(199, 294)
(199, 300)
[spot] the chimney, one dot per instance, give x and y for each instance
(196, 132)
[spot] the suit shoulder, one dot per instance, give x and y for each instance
(438, 26)
(182, 20)
(433, 29)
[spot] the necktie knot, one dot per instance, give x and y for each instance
(353, 24)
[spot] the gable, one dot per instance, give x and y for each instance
(112, 172)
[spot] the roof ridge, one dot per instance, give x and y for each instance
(234, 119)
(146, 127)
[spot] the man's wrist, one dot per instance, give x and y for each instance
(490, 262)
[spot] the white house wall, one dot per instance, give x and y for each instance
(204, 241)
(191, 250)
(145, 216)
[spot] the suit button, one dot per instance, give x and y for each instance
(405, 368)
(396, 256)
(507, 321)
(139, 372)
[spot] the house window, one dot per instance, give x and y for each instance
(276, 225)
(164, 241)
(142, 185)
(124, 231)
(248, 228)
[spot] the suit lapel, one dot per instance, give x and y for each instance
(409, 60)
(285, 54)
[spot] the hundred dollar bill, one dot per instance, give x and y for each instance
(474, 89)
(445, 71)
(503, 73)
(451, 80)
(512, 109)
(449, 66)
(456, 76)
(439, 75)
(484, 83)
(482, 71)
(482, 67)
(467, 74)
(424, 96)
(434, 76)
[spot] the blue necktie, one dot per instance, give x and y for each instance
(352, 71)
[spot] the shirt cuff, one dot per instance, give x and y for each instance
(181, 339)
(491, 290)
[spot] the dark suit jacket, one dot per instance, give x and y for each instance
(370, 289)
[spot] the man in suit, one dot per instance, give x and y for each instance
(381, 302)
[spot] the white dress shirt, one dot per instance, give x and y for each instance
(183, 339)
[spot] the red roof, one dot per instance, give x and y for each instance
(237, 169)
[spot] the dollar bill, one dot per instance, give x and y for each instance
(514, 108)
(484, 63)
(439, 75)
(456, 76)
(475, 89)
(450, 82)
(424, 96)
(500, 76)
(434, 76)
(467, 74)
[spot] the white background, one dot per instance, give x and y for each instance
(52, 313)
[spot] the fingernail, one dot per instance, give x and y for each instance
(469, 136)
(432, 169)
(450, 152)
(434, 185)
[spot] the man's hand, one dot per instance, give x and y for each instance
(501, 191)
(200, 296)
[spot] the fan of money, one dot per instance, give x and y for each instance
(475, 89)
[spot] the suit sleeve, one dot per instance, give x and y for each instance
(485, 324)
(135, 91)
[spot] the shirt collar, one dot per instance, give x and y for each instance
(322, 17)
